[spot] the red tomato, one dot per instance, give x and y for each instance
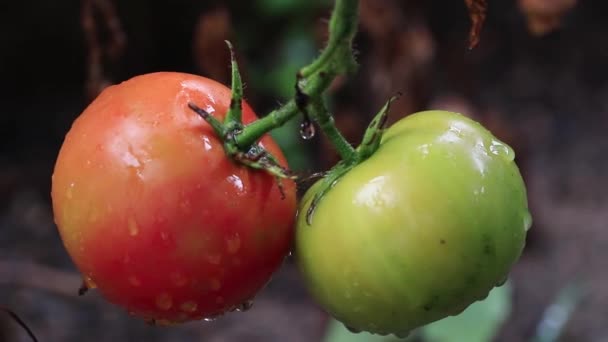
(152, 211)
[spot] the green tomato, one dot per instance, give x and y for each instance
(426, 226)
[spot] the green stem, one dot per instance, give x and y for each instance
(327, 124)
(314, 79)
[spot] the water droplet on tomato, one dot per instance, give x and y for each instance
(69, 192)
(133, 280)
(352, 329)
(164, 301)
(245, 306)
(527, 220)
(209, 319)
(90, 284)
(499, 149)
(237, 182)
(502, 281)
(189, 306)
(207, 144)
(164, 323)
(133, 227)
(403, 334)
(307, 130)
(233, 244)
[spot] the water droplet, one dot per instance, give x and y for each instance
(164, 236)
(352, 329)
(403, 334)
(233, 244)
(502, 150)
(307, 130)
(133, 280)
(133, 228)
(527, 220)
(208, 147)
(237, 182)
(164, 323)
(245, 306)
(189, 306)
(164, 301)
(209, 319)
(88, 281)
(215, 284)
(68, 192)
(178, 279)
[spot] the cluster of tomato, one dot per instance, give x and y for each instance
(160, 220)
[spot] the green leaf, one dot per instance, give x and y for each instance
(478, 323)
(336, 332)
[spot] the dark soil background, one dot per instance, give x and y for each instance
(538, 80)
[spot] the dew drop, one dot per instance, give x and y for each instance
(164, 323)
(233, 244)
(245, 306)
(403, 334)
(352, 329)
(502, 150)
(133, 228)
(527, 220)
(164, 301)
(88, 281)
(189, 306)
(307, 130)
(68, 192)
(133, 280)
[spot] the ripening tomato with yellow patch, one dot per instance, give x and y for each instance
(153, 212)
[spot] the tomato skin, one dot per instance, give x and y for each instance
(426, 226)
(152, 211)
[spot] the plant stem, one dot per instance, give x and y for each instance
(313, 80)
(327, 124)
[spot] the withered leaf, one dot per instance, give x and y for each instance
(477, 13)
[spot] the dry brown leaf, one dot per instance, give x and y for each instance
(545, 16)
(100, 52)
(477, 12)
(211, 53)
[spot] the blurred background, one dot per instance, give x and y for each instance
(538, 80)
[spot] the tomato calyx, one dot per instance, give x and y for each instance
(251, 155)
(368, 146)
